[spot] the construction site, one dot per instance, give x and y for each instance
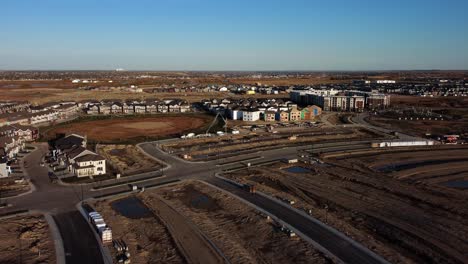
(127, 159)
(194, 222)
(393, 202)
(26, 239)
(263, 138)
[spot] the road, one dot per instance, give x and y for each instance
(80, 244)
(343, 249)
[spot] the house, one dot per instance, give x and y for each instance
(310, 112)
(68, 142)
(105, 109)
(11, 146)
(116, 108)
(139, 108)
(251, 115)
(162, 107)
(152, 107)
(294, 114)
(92, 109)
(27, 133)
(43, 117)
(4, 168)
(269, 116)
(89, 165)
(282, 116)
(67, 110)
(71, 152)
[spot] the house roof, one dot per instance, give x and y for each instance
(89, 157)
(69, 141)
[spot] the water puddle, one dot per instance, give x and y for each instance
(131, 207)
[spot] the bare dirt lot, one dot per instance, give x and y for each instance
(193, 222)
(10, 187)
(420, 127)
(123, 129)
(26, 239)
(211, 148)
(127, 158)
(402, 221)
(242, 234)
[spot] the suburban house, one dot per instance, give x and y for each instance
(4, 168)
(269, 116)
(139, 108)
(294, 114)
(28, 133)
(116, 108)
(251, 115)
(71, 152)
(11, 146)
(310, 112)
(89, 165)
(67, 110)
(43, 117)
(282, 116)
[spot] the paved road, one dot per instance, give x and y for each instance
(60, 200)
(343, 249)
(79, 240)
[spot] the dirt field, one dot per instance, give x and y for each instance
(127, 158)
(421, 128)
(8, 187)
(241, 233)
(431, 102)
(26, 239)
(148, 239)
(193, 222)
(122, 129)
(211, 148)
(402, 221)
(433, 166)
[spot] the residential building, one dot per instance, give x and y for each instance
(89, 165)
(269, 116)
(282, 116)
(294, 114)
(251, 115)
(310, 112)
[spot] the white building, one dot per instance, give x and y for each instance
(386, 81)
(4, 169)
(237, 114)
(89, 165)
(251, 115)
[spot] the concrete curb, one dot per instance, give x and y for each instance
(58, 242)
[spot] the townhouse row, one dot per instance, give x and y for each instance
(272, 115)
(149, 107)
(12, 140)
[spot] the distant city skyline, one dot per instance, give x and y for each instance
(183, 35)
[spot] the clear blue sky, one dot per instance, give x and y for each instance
(234, 35)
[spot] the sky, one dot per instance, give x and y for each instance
(226, 35)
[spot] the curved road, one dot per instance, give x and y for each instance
(79, 241)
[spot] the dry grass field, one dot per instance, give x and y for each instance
(123, 129)
(26, 239)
